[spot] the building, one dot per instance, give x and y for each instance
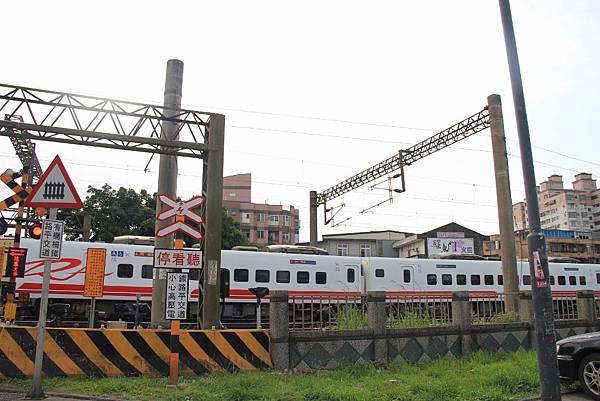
(576, 209)
(263, 224)
(450, 238)
(581, 245)
(363, 244)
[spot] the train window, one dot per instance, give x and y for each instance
(240, 275)
(431, 279)
(406, 275)
(379, 273)
(447, 279)
(147, 271)
(195, 274)
(302, 277)
(321, 278)
(581, 280)
(598, 278)
(282, 276)
(526, 279)
(125, 271)
(488, 279)
(561, 280)
(475, 279)
(461, 279)
(500, 279)
(261, 276)
(350, 275)
(572, 280)
(551, 280)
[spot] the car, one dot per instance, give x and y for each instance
(579, 359)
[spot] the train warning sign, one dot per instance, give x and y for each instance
(177, 258)
(55, 189)
(51, 241)
(15, 262)
(177, 296)
(94, 272)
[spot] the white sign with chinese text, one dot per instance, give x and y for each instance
(51, 241)
(453, 245)
(177, 296)
(177, 259)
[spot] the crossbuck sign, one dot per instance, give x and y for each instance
(180, 210)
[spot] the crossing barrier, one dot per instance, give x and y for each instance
(117, 352)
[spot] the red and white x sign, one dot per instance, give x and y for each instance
(180, 208)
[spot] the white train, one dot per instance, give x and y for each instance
(129, 272)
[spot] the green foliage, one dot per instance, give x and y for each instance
(498, 318)
(232, 234)
(413, 319)
(350, 317)
(480, 377)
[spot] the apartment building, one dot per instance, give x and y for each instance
(576, 209)
(263, 224)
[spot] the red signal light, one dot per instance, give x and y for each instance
(35, 231)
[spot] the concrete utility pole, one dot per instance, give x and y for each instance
(167, 182)
(212, 243)
(313, 205)
(504, 200)
(538, 260)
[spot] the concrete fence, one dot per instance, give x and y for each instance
(307, 350)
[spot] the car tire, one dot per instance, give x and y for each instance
(589, 375)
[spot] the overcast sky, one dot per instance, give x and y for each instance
(315, 92)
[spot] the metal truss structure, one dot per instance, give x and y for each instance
(25, 150)
(457, 132)
(94, 121)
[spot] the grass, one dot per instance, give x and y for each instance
(412, 319)
(351, 318)
(481, 377)
(504, 317)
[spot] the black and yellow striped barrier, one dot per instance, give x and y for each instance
(115, 352)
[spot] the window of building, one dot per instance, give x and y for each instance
(240, 275)
(273, 220)
(572, 280)
(379, 273)
(246, 232)
(286, 237)
(365, 250)
(342, 249)
(246, 217)
(282, 276)
(273, 236)
(261, 276)
(286, 220)
(302, 277)
(446, 279)
(260, 234)
(432, 279)
(562, 280)
(582, 280)
(461, 279)
(488, 279)
(406, 275)
(500, 279)
(147, 271)
(321, 278)
(475, 279)
(527, 280)
(350, 275)
(125, 271)
(261, 217)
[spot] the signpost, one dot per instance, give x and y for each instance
(178, 258)
(54, 190)
(95, 264)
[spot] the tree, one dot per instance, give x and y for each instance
(126, 212)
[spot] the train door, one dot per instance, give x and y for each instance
(408, 278)
(351, 279)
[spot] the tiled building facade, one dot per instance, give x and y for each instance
(263, 224)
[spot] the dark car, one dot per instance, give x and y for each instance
(579, 359)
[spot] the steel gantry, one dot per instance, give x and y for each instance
(45, 115)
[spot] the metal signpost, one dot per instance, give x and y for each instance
(177, 282)
(55, 189)
(94, 278)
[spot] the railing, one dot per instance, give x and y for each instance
(565, 307)
(489, 308)
(414, 310)
(328, 312)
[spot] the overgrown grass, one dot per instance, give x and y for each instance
(504, 317)
(481, 377)
(412, 319)
(351, 317)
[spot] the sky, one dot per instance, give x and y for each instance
(314, 92)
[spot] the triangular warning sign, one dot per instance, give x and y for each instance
(55, 189)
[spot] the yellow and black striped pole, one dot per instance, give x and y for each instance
(175, 325)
